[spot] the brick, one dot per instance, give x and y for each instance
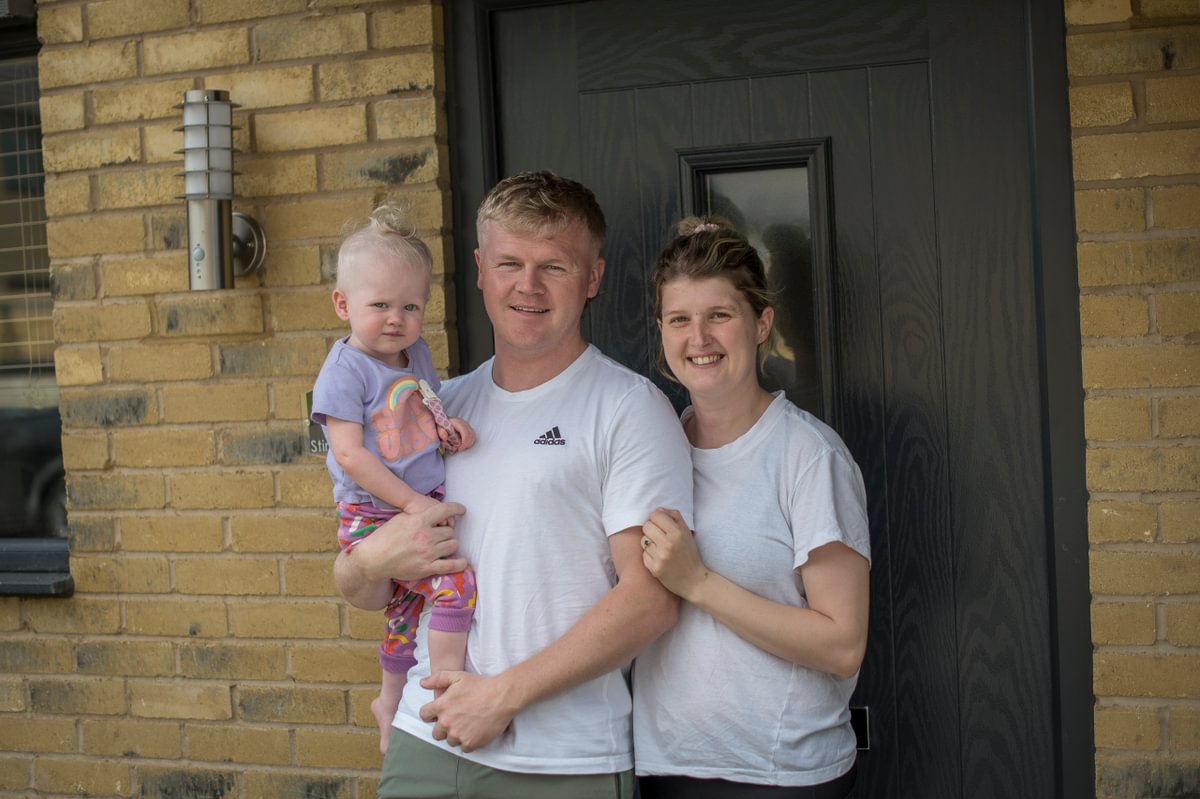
(1183, 728)
(313, 127)
(137, 188)
(406, 118)
(377, 77)
(195, 51)
(1117, 418)
(1151, 9)
(310, 577)
(240, 744)
(304, 488)
(138, 363)
(336, 662)
(68, 194)
(144, 274)
(286, 534)
(125, 575)
(15, 773)
(83, 777)
(179, 699)
(210, 313)
(107, 409)
(1097, 12)
(95, 235)
(78, 366)
(1123, 623)
(190, 617)
(1176, 207)
(61, 112)
(1138, 50)
(289, 400)
(1144, 469)
(1181, 521)
(317, 216)
(37, 735)
(1147, 573)
(304, 310)
(94, 63)
(1127, 728)
(185, 783)
(310, 36)
(1135, 674)
(232, 10)
(60, 24)
(439, 348)
(76, 696)
(35, 656)
(1110, 210)
(248, 448)
(293, 266)
(12, 694)
(1174, 99)
(275, 177)
(394, 165)
(85, 451)
(1114, 315)
(214, 403)
(274, 358)
(1101, 105)
(145, 100)
(1119, 777)
(290, 619)
(127, 17)
(294, 704)
(1154, 366)
(158, 448)
(1117, 156)
(92, 533)
(171, 533)
(266, 88)
(1183, 623)
(1179, 417)
(405, 27)
(338, 748)
(161, 140)
(232, 661)
(124, 738)
(110, 321)
(289, 784)
(69, 152)
(10, 614)
(227, 489)
(1178, 313)
(129, 491)
(76, 615)
(226, 576)
(125, 658)
(364, 625)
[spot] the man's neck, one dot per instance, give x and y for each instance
(520, 371)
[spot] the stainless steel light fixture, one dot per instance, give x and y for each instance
(221, 243)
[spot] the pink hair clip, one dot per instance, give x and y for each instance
(705, 226)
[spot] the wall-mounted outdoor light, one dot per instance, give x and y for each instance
(221, 243)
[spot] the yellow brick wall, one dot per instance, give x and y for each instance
(204, 652)
(1134, 70)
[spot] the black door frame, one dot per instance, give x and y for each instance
(973, 44)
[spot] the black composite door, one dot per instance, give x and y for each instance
(879, 153)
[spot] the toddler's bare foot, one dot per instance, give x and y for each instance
(384, 720)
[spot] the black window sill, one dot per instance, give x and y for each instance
(35, 567)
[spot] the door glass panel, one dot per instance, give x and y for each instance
(770, 204)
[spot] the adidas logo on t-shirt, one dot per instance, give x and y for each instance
(551, 436)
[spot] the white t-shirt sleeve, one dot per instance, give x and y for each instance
(828, 504)
(649, 461)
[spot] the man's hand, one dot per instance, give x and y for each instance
(407, 547)
(472, 710)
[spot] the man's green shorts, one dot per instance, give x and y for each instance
(414, 769)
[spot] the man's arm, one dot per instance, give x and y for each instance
(406, 547)
(474, 710)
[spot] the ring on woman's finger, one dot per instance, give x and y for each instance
(646, 542)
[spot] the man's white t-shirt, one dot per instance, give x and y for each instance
(555, 470)
(709, 704)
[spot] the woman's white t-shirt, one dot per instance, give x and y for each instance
(706, 702)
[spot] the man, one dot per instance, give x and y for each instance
(573, 453)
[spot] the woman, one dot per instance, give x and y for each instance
(747, 696)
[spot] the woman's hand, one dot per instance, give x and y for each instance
(669, 553)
